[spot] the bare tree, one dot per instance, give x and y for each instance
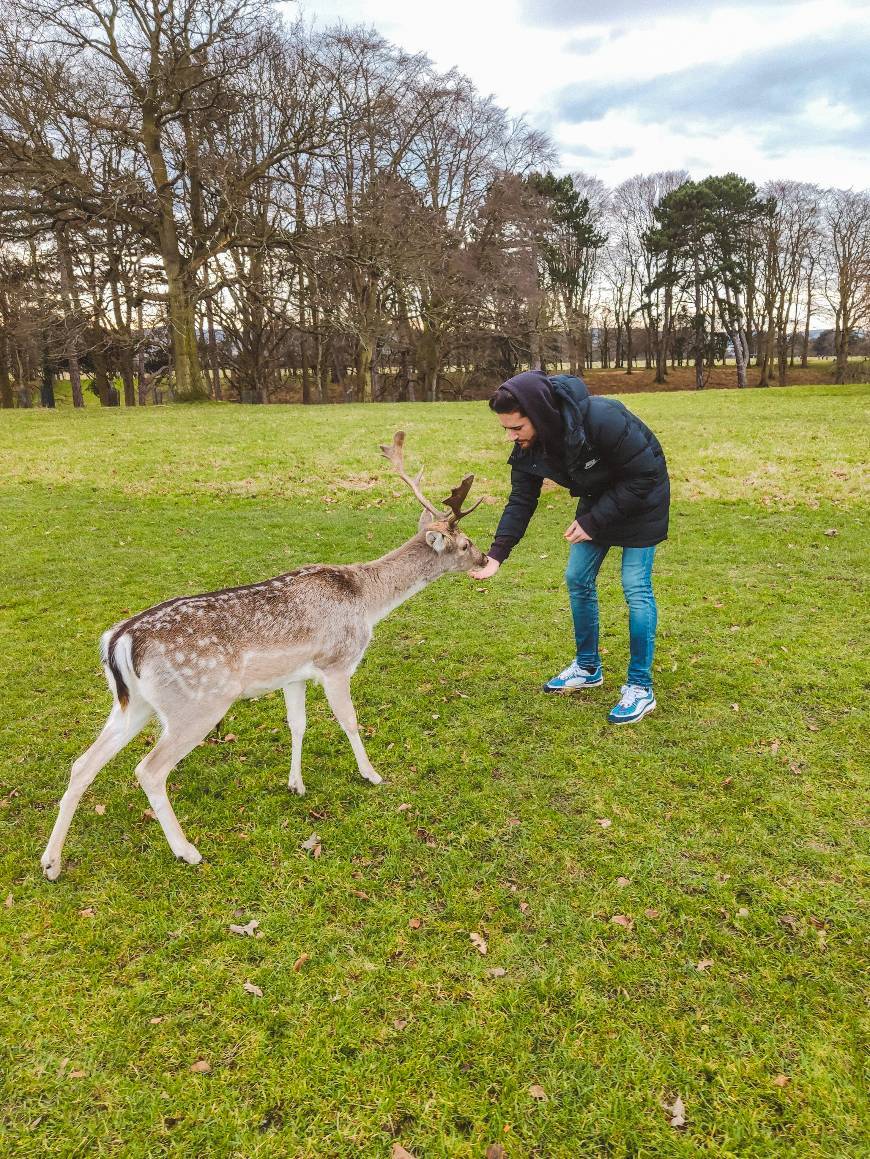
(846, 267)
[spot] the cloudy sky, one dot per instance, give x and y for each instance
(779, 89)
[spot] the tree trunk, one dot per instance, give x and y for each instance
(805, 349)
(699, 328)
(69, 320)
(211, 341)
(364, 369)
(841, 347)
(46, 390)
(7, 402)
(141, 380)
(741, 354)
(101, 376)
(185, 348)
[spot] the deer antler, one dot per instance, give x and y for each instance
(457, 497)
(395, 454)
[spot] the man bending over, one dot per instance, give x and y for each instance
(613, 462)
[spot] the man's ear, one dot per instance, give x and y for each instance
(436, 541)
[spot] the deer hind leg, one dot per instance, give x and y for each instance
(337, 689)
(294, 697)
(182, 732)
(123, 724)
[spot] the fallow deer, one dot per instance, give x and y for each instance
(188, 660)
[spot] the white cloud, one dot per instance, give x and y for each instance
(527, 65)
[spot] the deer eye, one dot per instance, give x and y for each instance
(464, 547)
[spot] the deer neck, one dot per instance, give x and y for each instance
(397, 576)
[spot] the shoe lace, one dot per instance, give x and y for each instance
(631, 694)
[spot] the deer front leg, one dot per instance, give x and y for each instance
(294, 698)
(337, 689)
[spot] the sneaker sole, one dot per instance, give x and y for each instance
(575, 687)
(635, 719)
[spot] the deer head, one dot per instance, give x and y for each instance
(439, 528)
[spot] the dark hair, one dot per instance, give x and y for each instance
(504, 403)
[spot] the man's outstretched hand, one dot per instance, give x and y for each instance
(576, 534)
(489, 569)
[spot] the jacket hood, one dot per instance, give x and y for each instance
(533, 391)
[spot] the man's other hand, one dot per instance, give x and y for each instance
(576, 534)
(489, 569)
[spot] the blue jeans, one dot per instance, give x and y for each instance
(584, 563)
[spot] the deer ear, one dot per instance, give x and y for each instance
(436, 541)
(426, 517)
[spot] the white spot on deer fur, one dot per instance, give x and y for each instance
(179, 655)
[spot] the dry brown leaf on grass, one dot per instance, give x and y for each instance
(703, 965)
(538, 1092)
(781, 1080)
(622, 882)
(252, 989)
(403, 808)
(201, 1066)
(149, 815)
(156, 1019)
(524, 907)
(310, 843)
(9, 902)
(87, 912)
(622, 920)
(400, 1023)
(247, 931)
(300, 962)
(676, 1112)
(496, 972)
(604, 822)
(496, 1151)
(652, 913)
(415, 923)
(479, 943)
(100, 809)
(399, 1152)
(76, 1074)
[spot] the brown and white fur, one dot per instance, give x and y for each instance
(188, 660)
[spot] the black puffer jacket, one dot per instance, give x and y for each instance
(611, 460)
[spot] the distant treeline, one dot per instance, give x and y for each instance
(201, 199)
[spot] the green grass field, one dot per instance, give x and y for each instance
(734, 846)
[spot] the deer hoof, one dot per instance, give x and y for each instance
(192, 856)
(297, 787)
(51, 868)
(373, 778)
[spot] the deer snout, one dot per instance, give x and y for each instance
(475, 557)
